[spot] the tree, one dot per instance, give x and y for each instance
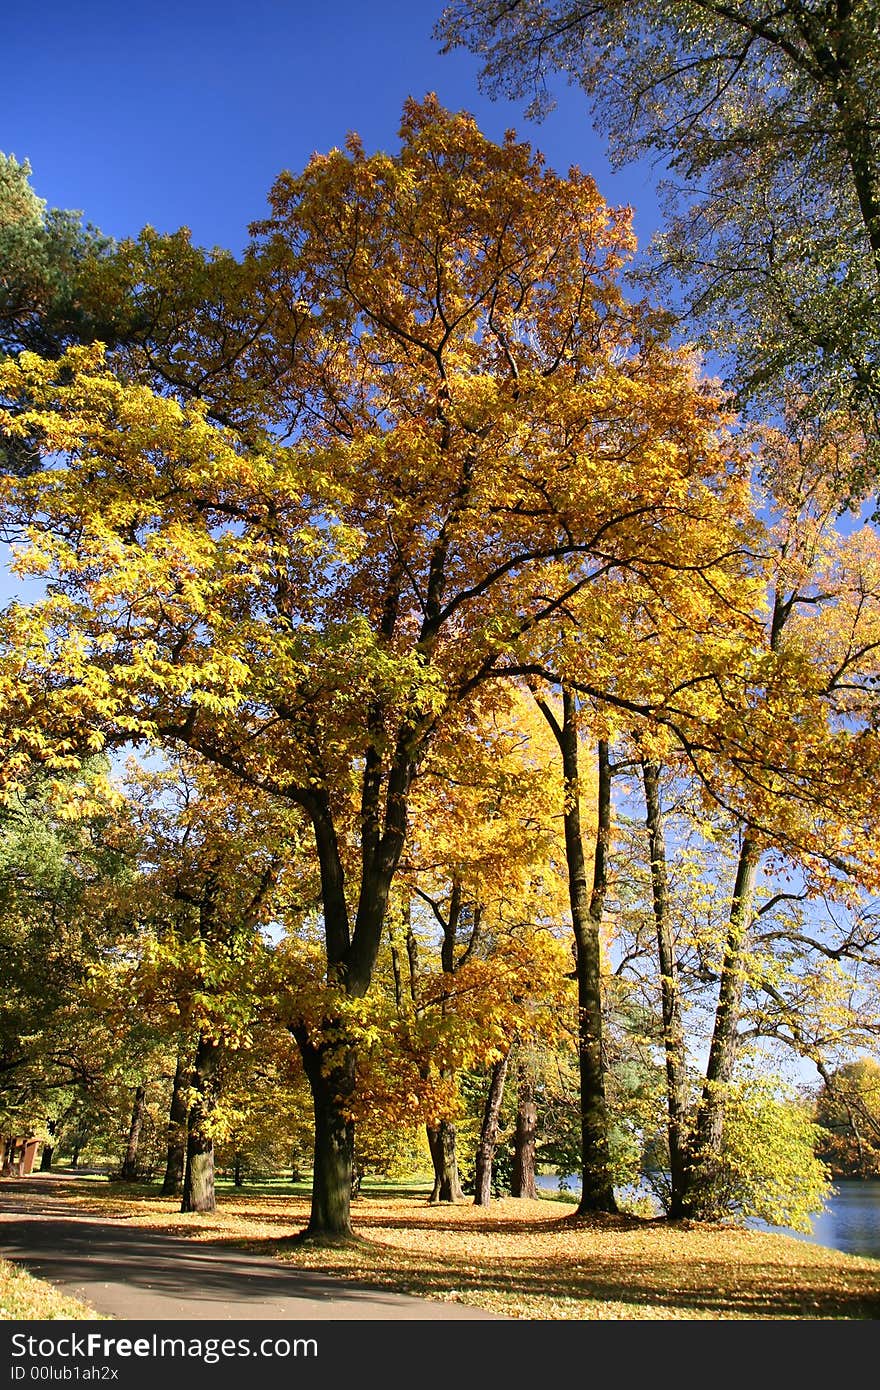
(483, 429)
(210, 863)
(48, 258)
(61, 867)
(848, 1116)
(763, 116)
(587, 906)
(480, 863)
(768, 1166)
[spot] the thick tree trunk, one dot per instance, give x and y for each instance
(673, 1031)
(522, 1183)
(175, 1160)
(489, 1133)
(587, 907)
(357, 1171)
(705, 1151)
(351, 956)
(129, 1169)
(447, 1183)
(331, 1087)
(198, 1181)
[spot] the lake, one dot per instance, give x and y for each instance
(851, 1223)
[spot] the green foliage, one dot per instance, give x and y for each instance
(47, 256)
(768, 1167)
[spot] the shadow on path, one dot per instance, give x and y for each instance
(131, 1273)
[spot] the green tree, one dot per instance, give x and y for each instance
(762, 117)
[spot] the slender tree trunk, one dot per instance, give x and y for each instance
(175, 1161)
(447, 1182)
(129, 1169)
(705, 1151)
(48, 1148)
(198, 1181)
(441, 1138)
(74, 1157)
(522, 1183)
(331, 1087)
(489, 1133)
(673, 1031)
(587, 907)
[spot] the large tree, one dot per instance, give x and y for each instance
(480, 430)
(762, 117)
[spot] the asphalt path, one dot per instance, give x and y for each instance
(130, 1273)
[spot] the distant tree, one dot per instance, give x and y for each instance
(848, 1117)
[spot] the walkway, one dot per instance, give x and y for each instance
(127, 1272)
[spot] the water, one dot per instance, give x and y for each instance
(851, 1223)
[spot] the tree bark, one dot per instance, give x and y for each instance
(447, 1182)
(673, 1031)
(198, 1181)
(522, 1183)
(331, 1086)
(704, 1153)
(175, 1161)
(587, 907)
(129, 1169)
(489, 1133)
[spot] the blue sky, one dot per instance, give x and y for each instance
(182, 114)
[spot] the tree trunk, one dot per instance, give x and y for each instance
(331, 1087)
(198, 1181)
(48, 1148)
(357, 1171)
(175, 1161)
(704, 1154)
(447, 1183)
(673, 1031)
(129, 1169)
(522, 1183)
(587, 907)
(489, 1133)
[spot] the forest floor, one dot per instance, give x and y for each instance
(516, 1259)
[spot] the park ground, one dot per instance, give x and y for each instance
(518, 1259)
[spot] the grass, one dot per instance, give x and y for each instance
(24, 1298)
(519, 1259)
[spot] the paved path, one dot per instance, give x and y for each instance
(127, 1272)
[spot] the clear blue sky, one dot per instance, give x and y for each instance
(184, 113)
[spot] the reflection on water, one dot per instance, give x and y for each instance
(851, 1223)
